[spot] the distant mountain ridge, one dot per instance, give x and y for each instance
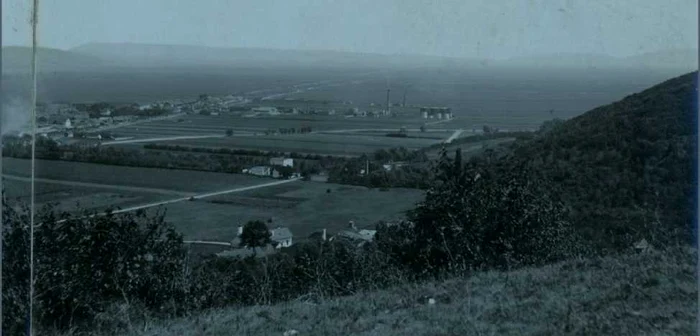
(684, 60)
(18, 59)
(105, 56)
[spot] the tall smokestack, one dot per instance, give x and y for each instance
(388, 108)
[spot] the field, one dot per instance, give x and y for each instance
(97, 187)
(153, 178)
(330, 134)
(508, 101)
(67, 196)
(199, 124)
(302, 206)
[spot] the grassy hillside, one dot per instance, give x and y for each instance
(625, 169)
(632, 294)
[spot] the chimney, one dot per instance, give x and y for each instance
(388, 108)
(324, 235)
(240, 230)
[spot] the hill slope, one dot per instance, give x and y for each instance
(649, 293)
(18, 60)
(626, 168)
(679, 61)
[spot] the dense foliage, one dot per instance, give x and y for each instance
(404, 168)
(625, 169)
(84, 263)
(484, 217)
(255, 234)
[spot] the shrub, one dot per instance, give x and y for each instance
(499, 216)
(85, 263)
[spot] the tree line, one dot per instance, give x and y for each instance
(86, 265)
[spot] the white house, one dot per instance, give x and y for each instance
(282, 236)
(281, 161)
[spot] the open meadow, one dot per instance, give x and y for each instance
(325, 144)
(330, 134)
(218, 124)
(98, 187)
(304, 207)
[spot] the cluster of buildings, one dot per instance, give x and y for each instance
(282, 237)
(352, 235)
(273, 168)
(436, 112)
(355, 112)
(271, 110)
(212, 105)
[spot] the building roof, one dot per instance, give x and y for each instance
(280, 233)
(368, 233)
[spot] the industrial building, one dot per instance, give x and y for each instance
(436, 112)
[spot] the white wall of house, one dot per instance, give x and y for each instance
(284, 243)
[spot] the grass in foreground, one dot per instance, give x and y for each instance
(638, 294)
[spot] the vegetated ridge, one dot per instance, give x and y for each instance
(625, 169)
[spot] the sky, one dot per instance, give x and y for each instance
(455, 28)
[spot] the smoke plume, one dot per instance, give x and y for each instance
(15, 115)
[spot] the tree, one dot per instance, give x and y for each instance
(255, 234)
(285, 171)
(458, 164)
(85, 262)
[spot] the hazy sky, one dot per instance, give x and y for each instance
(462, 28)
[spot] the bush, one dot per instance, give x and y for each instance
(84, 264)
(495, 217)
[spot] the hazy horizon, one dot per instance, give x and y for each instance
(473, 30)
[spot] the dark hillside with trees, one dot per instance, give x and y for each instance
(625, 169)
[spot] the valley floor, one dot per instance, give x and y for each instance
(636, 294)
